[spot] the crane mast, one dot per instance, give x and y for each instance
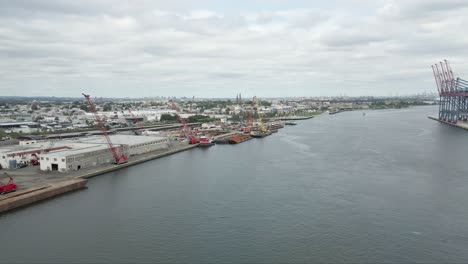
(250, 121)
(118, 158)
(247, 129)
(260, 121)
(188, 133)
(137, 123)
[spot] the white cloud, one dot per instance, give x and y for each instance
(149, 48)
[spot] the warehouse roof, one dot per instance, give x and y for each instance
(76, 149)
(121, 139)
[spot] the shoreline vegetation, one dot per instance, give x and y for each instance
(53, 115)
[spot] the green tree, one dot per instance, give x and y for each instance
(84, 107)
(199, 118)
(107, 108)
(168, 118)
(265, 103)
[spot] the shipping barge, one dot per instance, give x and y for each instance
(239, 139)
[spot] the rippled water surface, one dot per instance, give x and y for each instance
(390, 186)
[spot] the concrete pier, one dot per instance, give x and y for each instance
(134, 161)
(291, 118)
(32, 195)
(48, 185)
(459, 124)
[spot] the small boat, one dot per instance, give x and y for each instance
(260, 134)
(290, 123)
(204, 142)
(245, 130)
(275, 126)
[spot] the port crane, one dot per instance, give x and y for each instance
(188, 133)
(260, 118)
(250, 120)
(247, 128)
(119, 158)
(141, 129)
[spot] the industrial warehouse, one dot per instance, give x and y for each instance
(44, 166)
(97, 153)
(77, 153)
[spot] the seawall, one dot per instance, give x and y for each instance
(459, 124)
(134, 162)
(32, 195)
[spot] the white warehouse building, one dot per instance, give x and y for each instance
(12, 155)
(93, 151)
(25, 151)
(79, 156)
(135, 145)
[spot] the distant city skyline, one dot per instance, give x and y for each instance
(217, 49)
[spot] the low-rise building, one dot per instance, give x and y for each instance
(78, 156)
(77, 153)
(135, 144)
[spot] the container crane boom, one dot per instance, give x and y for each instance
(118, 158)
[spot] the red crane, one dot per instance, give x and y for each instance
(250, 121)
(10, 186)
(246, 129)
(119, 158)
(188, 133)
(138, 123)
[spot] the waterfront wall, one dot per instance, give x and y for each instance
(26, 197)
(459, 124)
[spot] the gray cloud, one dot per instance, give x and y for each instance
(149, 48)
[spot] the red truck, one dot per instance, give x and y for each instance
(35, 160)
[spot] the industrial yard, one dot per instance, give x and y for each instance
(43, 164)
(49, 167)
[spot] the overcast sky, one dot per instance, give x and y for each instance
(206, 48)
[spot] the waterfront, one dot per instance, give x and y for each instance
(389, 186)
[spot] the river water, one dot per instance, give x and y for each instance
(390, 186)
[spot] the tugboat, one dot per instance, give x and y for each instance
(262, 132)
(245, 130)
(204, 142)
